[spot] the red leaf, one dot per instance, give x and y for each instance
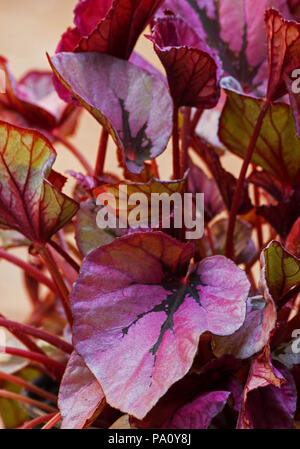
(192, 72)
(29, 202)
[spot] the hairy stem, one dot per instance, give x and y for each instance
(29, 269)
(28, 386)
(102, 149)
(175, 140)
(75, 152)
(37, 333)
(58, 280)
(240, 184)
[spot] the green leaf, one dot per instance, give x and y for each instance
(277, 149)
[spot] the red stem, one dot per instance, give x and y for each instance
(195, 120)
(65, 255)
(37, 333)
(240, 183)
(210, 240)
(185, 138)
(58, 367)
(58, 280)
(99, 169)
(258, 218)
(155, 168)
(176, 150)
(27, 400)
(37, 421)
(75, 152)
(22, 383)
(29, 269)
(52, 422)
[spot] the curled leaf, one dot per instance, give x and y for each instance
(192, 72)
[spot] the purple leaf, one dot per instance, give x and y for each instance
(138, 327)
(108, 26)
(192, 72)
(133, 105)
(80, 394)
(199, 413)
(270, 396)
(255, 332)
(236, 32)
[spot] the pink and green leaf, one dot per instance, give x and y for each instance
(128, 296)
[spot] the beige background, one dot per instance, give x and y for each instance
(29, 29)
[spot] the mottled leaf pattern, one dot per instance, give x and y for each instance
(137, 327)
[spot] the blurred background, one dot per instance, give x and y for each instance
(29, 29)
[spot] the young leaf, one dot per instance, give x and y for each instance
(133, 105)
(80, 395)
(277, 149)
(192, 72)
(138, 327)
(29, 202)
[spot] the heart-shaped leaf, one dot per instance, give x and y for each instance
(133, 105)
(137, 326)
(29, 202)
